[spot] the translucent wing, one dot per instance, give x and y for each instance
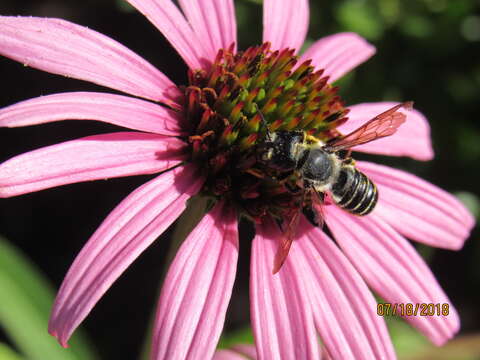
(318, 207)
(289, 229)
(380, 126)
(282, 253)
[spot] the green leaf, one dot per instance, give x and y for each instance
(26, 299)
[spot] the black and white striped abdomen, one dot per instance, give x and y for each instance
(354, 191)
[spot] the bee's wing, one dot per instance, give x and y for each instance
(313, 207)
(289, 231)
(282, 253)
(318, 207)
(382, 125)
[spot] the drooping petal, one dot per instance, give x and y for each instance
(67, 49)
(225, 354)
(246, 349)
(90, 158)
(344, 308)
(213, 21)
(338, 54)
(129, 229)
(237, 352)
(411, 139)
(281, 312)
(391, 266)
(120, 110)
(285, 23)
(170, 21)
(197, 289)
(418, 209)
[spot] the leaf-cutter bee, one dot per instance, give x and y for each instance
(324, 169)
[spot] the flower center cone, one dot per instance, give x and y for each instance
(228, 110)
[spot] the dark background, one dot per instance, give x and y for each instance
(427, 51)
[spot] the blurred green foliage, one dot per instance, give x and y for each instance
(25, 302)
(410, 345)
(471, 201)
(240, 336)
(7, 353)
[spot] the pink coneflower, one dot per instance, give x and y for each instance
(201, 138)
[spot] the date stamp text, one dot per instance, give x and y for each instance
(410, 309)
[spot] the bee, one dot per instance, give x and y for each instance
(324, 169)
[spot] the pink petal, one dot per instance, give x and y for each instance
(120, 110)
(411, 139)
(392, 267)
(285, 23)
(281, 312)
(213, 21)
(226, 354)
(90, 158)
(129, 229)
(338, 54)
(237, 352)
(169, 20)
(418, 209)
(344, 308)
(248, 350)
(67, 49)
(197, 289)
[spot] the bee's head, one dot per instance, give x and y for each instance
(278, 151)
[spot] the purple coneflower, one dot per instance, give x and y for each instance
(200, 139)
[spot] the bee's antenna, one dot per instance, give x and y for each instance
(268, 134)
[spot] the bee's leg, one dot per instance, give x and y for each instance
(255, 172)
(344, 155)
(348, 161)
(293, 188)
(349, 154)
(290, 184)
(311, 215)
(283, 177)
(246, 161)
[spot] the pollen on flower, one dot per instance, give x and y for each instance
(225, 108)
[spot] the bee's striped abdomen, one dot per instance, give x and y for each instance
(354, 192)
